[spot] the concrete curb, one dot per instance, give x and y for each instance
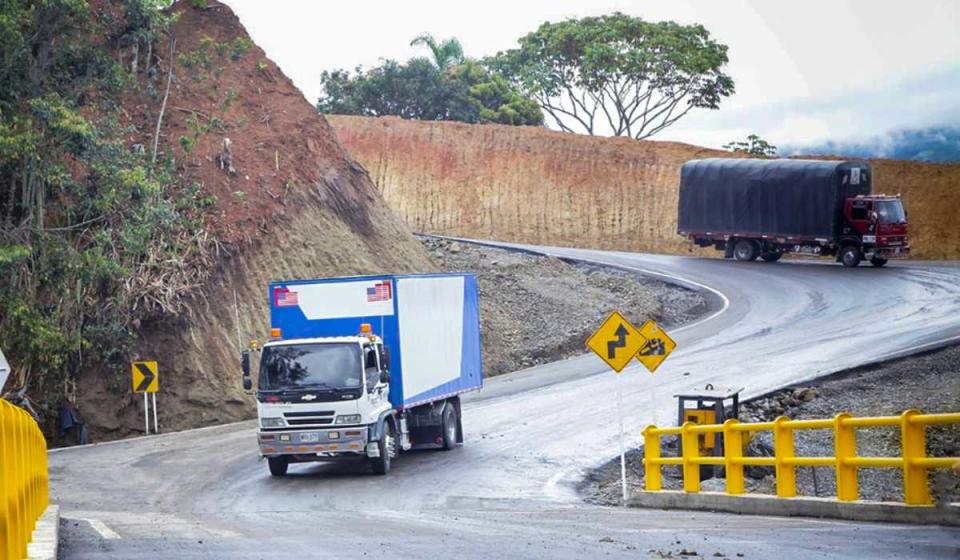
(799, 507)
(45, 543)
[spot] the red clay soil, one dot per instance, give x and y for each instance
(289, 203)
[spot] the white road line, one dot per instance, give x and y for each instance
(98, 526)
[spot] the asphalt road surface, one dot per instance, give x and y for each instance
(508, 492)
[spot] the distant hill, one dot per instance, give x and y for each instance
(935, 144)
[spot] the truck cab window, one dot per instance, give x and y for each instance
(858, 213)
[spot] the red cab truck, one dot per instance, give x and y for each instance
(752, 208)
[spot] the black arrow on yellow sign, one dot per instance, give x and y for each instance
(147, 376)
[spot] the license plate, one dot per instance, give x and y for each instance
(308, 438)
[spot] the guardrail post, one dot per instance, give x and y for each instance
(6, 527)
(783, 448)
(913, 441)
(690, 447)
(845, 447)
(652, 478)
(733, 450)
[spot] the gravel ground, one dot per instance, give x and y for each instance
(536, 309)
(927, 382)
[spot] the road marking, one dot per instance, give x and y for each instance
(98, 526)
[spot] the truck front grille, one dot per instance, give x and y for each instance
(309, 421)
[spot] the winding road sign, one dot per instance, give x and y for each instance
(616, 341)
(657, 347)
(146, 378)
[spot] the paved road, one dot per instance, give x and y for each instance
(509, 491)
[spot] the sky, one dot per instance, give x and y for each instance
(805, 72)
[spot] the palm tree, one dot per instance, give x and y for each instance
(446, 54)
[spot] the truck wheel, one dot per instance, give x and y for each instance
(278, 465)
(850, 256)
(449, 428)
(746, 250)
(387, 445)
(772, 256)
(878, 262)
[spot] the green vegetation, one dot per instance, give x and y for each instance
(95, 238)
(753, 145)
(617, 74)
(448, 87)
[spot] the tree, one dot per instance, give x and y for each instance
(754, 145)
(616, 72)
(446, 54)
(417, 90)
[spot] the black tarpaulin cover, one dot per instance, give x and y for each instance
(783, 197)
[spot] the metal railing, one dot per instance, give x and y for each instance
(24, 482)
(913, 460)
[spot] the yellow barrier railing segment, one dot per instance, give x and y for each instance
(913, 460)
(24, 480)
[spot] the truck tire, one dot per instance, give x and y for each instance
(278, 465)
(746, 250)
(850, 256)
(449, 427)
(387, 445)
(772, 256)
(878, 262)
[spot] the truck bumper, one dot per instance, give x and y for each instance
(898, 252)
(314, 444)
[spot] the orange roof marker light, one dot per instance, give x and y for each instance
(274, 332)
(365, 328)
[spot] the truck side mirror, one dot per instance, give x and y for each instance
(384, 376)
(385, 357)
(247, 384)
(245, 363)
(874, 217)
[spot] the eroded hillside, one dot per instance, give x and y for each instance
(288, 202)
(538, 186)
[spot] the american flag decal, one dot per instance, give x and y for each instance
(283, 297)
(381, 291)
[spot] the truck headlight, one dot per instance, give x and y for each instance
(869, 238)
(272, 422)
(348, 419)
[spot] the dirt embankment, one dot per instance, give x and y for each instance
(289, 203)
(536, 309)
(534, 185)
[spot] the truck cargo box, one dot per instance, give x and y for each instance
(429, 322)
(781, 197)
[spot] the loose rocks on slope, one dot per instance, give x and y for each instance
(536, 309)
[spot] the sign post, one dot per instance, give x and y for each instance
(617, 342)
(145, 378)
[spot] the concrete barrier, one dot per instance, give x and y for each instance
(754, 504)
(45, 543)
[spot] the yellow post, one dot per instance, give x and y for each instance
(732, 450)
(19, 544)
(690, 447)
(913, 441)
(6, 534)
(653, 478)
(783, 448)
(845, 447)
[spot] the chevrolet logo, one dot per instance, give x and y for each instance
(308, 397)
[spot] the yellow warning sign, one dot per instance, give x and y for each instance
(656, 347)
(616, 341)
(146, 377)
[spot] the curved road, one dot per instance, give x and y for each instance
(509, 491)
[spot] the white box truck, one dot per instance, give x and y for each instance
(362, 368)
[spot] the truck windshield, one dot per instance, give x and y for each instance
(890, 211)
(296, 366)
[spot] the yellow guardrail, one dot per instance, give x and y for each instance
(913, 460)
(24, 482)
